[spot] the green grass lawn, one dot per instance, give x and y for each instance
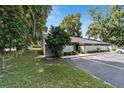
(35, 49)
(32, 72)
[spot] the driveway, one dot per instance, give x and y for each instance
(106, 66)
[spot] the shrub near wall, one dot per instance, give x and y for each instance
(74, 52)
(81, 51)
(96, 51)
(70, 53)
(114, 49)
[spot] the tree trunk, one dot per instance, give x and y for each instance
(3, 60)
(2, 52)
(34, 26)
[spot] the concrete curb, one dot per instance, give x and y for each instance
(83, 55)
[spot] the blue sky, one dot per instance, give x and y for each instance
(60, 11)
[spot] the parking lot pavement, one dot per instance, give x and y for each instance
(108, 67)
(110, 56)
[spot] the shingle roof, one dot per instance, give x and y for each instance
(87, 41)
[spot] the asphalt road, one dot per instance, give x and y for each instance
(106, 66)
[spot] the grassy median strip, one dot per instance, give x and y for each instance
(32, 72)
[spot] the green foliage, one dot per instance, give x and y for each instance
(12, 30)
(81, 51)
(70, 53)
(35, 49)
(94, 31)
(74, 52)
(67, 53)
(21, 25)
(108, 26)
(114, 49)
(98, 50)
(72, 24)
(35, 18)
(57, 39)
(39, 16)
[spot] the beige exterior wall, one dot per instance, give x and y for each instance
(94, 47)
(68, 48)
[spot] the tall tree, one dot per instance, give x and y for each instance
(116, 25)
(99, 19)
(93, 31)
(19, 25)
(12, 32)
(110, 25)
(22, 24)
(11, 28)
(36, 17)
(72, 24)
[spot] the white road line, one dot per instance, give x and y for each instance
(101, 63)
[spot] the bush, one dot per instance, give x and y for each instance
(94, 51)
(74, 52)
(81, 51)
(67, 53)
(98, 50)
(57, 39)
(113, 49)
(70, 53)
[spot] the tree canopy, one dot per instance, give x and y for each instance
(93, 31)
(35, 18)
(108, 26)
(72, 24)
(19, 24)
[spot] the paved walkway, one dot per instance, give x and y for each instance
(73, 56)
(111, 73)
